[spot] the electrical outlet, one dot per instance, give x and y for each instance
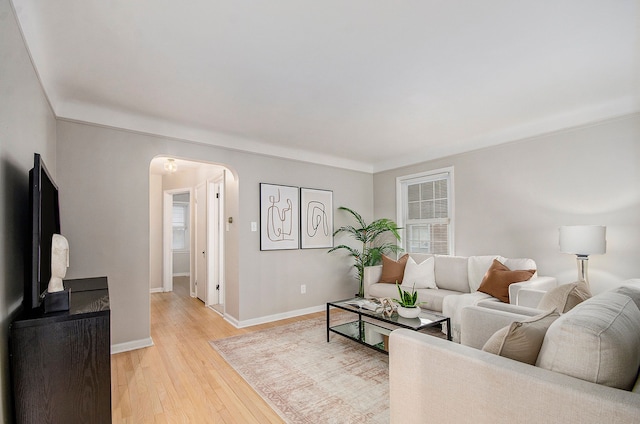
(254, 226)
(303, 289)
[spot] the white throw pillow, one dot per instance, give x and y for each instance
(478, 267)
(422, 275)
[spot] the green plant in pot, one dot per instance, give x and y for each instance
(408, 306)
(373, 244)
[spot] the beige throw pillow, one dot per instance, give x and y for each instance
(521, 341)
(598, 341)
(564, 297)
(392, 270)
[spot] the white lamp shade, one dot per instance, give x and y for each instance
(583, 239)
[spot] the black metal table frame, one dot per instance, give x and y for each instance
(378, 317)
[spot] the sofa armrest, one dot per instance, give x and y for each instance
(514, 309)
(481, 321)
(529, 297)
(537, 283)
(371, 276)
(467, 383)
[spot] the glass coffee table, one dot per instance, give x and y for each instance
(372, 328)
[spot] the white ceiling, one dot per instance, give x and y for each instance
(157, 165)
(362, 84)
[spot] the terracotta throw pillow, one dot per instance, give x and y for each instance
(521, 341)
(564, 297)
(498, 278)
(393, 271)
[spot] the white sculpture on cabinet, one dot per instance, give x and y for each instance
(59, 263)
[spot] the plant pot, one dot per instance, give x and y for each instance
(409, 312)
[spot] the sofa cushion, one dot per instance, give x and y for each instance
(383, 290)
(597, 341)
(431, 299)
(521, 341)
(632, 291)
(478, 267)
(419, 275)
(565, 297)
(498, 278)
(393, 270)
(451, 273)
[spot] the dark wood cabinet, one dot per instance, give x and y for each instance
(61, 363)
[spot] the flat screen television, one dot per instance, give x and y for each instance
(44, 223)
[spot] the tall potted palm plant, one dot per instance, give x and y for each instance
(373, 247)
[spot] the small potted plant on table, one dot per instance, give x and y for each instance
(407, 304)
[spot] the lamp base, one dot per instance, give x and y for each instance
(583, 267)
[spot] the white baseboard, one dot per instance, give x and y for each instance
(127, 346)
(275, 317)
(156, 290)
(181, 274)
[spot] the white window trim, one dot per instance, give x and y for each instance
(422, 176)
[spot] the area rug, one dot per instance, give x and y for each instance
(307, 380)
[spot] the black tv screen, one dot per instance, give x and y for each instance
(45, 222)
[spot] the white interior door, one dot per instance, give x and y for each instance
(201, 242)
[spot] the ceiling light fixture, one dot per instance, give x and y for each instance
(170, 166)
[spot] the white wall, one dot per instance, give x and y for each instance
(155, 237)
(511, 199)
(27, 125)
(105, 171)
(181, 263)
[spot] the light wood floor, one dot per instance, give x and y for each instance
(182, 379)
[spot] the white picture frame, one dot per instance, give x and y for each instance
(316, 218)
(279, 217)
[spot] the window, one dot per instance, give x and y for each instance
(180, 222)
(425, 211)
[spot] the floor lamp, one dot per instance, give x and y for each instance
(582, 241)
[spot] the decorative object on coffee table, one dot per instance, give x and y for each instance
(407, 304)
(405, 312)
(373, 245)
(388, 307)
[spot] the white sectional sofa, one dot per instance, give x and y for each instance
(586, 371)
(457, 279)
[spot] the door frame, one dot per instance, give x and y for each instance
(204, 203)
(167, 237)
(215, 242)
